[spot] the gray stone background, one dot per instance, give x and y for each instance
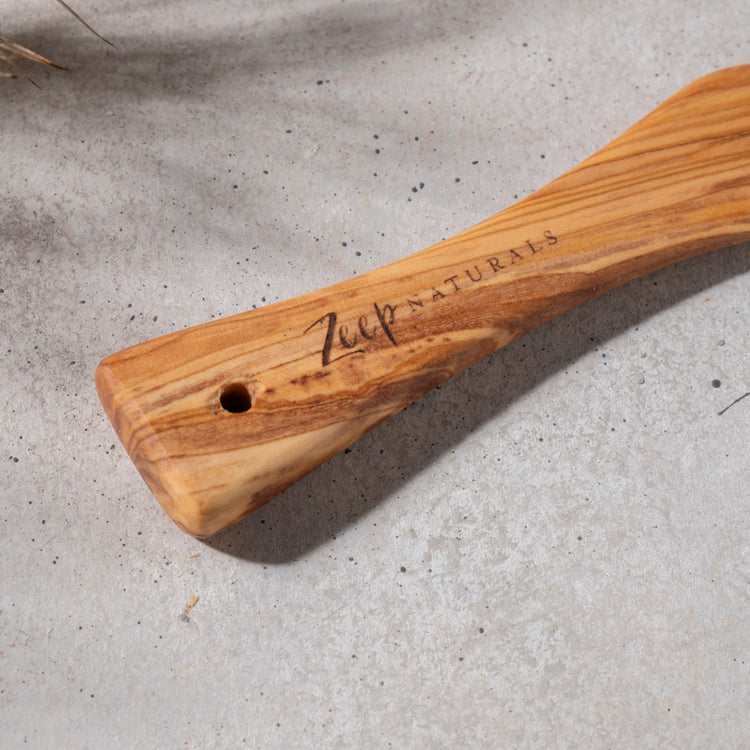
(551, 550)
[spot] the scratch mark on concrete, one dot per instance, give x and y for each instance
(736, 401)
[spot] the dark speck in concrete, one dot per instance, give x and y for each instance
(716, 383)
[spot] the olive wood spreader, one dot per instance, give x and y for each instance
(221, 417)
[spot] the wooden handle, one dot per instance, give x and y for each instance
(222, 417)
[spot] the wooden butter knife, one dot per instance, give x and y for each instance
(221, 417)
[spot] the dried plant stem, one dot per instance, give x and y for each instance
(78, 18)
(11, 52)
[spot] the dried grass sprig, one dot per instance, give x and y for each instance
(11, 52)
(80, 20)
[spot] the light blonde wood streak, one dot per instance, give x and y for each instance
(324, 368)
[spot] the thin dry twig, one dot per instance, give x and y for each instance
(77, 17)
(11, 52)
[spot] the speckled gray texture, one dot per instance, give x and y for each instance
(550, 551)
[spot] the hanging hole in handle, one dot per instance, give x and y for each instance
(235, 398)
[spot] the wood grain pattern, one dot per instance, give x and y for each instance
(320, 370)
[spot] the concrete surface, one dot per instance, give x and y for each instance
(550, 551)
